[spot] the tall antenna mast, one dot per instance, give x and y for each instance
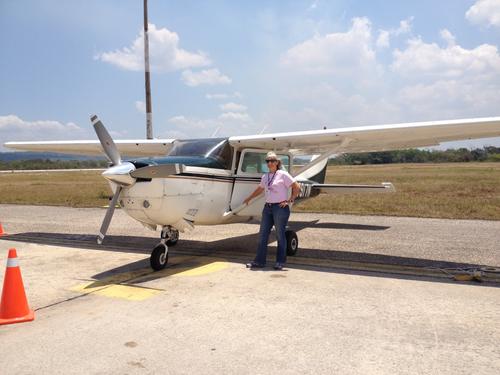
(149, 114)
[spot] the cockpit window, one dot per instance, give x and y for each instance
(255, 162)
(216, 149)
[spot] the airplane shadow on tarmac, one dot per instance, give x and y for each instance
(242, 249)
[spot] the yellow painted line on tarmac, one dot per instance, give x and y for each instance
(130, 293)
(205, 269)
(117, 286)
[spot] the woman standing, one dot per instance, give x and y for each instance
(276, 210)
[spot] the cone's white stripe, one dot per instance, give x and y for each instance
(12, 262)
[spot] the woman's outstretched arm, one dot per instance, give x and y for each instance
(255, 193)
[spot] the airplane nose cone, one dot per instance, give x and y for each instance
(120, 174)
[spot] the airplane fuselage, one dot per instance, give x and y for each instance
(200, 196)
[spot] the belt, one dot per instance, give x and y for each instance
(271, 204)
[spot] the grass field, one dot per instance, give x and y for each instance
(456, 190)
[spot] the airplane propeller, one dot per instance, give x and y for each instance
(107, 143)
(124, 173)
(113, 155)
(109, 214)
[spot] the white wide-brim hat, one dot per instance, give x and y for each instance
(272, 155)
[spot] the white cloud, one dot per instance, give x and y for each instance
(14, 128)
(140, 106)
(233, 107)
(422, 60)
(193, 123)
(174, 134)
(235, 116)
(383, 39)
(313, 5)
(448, 37)
(322, 104)
(484, 12)
(228, 123)
(404, 26)
(219, 96)
(205, 77)
(164, 51)
(424, 81)
(450, 81)
(13, 122)
(336, 53)
(216, 96)
(451, 98)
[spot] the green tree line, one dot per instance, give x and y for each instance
(489, 153)
(51, 164)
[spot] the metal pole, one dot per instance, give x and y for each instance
(149, 115)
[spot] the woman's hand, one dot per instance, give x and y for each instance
(283, 204)
(247, 201)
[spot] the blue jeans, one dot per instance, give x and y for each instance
(277, 216)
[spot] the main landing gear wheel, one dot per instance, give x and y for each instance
(159, 257)
(292, 242)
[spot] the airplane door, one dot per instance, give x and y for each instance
(252, 165)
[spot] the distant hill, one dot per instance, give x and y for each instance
(48, 160)
(14, 156)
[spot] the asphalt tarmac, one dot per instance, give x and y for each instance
(364, 295)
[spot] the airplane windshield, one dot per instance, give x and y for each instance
(217, 149)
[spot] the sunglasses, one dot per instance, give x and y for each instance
(271, 161)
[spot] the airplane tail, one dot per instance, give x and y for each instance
(316, 173)
(312, 183)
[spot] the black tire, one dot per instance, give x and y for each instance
(173, 240)
(158, 258)
(292, 242)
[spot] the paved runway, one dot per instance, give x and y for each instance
(352, 302)
(393, 240)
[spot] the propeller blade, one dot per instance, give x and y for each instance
(108, 216)
(107, 143)
(158, 171)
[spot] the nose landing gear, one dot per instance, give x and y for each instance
(159, 257)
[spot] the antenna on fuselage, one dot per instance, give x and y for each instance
(149, 114)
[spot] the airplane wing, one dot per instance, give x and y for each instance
(133, 148)
(373, 138)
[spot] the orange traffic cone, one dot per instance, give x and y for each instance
(2, 233)
(13, 305)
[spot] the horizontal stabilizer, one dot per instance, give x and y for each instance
(384, 187)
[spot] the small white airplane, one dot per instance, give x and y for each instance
(176, 184)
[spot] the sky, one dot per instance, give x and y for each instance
(244, 67)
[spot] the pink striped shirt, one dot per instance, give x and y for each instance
(276, 185)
